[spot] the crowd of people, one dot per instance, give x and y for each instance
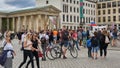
(30, 40)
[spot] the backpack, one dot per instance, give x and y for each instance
(3, 58)
(94, 42)
(3, 55)
(65, 35)
(88, 43)
(43, 40)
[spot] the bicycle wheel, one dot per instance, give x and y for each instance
(55, 52)
(73, 52)
(48, 54)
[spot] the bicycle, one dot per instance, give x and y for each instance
(49, 48)
(56, 52)
(84, 42)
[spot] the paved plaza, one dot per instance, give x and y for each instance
(112, 60)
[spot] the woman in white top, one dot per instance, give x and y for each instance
(10, 53)
(27, 50)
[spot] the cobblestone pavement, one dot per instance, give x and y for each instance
(112, 60)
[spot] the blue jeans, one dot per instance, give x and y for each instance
(95, 49)
(75, 42)
(89, 51)
(66, 43)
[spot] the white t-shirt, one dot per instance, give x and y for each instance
(8, 46)
(23, 37)
(44, 35)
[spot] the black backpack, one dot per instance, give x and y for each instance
(43, 40)
(94, 42)
(65, 35)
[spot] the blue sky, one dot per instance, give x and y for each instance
(16, 4)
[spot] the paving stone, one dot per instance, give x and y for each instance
(112, 60)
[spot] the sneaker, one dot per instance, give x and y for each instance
(64, 57)
(78, 49)
(43, 59)
(96, 58)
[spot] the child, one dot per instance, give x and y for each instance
(89, 47)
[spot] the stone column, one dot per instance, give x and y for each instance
(34, 23)
(39, 22)
(30, 22)
(7, 23)
(18, 24)
(58, 22)
(45, 22)
(24, 23)
(0, 24)
(13, 24)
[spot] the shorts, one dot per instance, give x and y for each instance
(55, 37)
(95, 49)
(65, 43)
(114, 38)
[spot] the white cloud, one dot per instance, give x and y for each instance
(4, 6)
(12, 5)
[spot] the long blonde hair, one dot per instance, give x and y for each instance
(28, 37)
(8, 39)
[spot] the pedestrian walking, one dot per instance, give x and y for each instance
(27, 50)
(44, 42)
(22, 40)
(10, 53)
(35, 42)
(104, 41)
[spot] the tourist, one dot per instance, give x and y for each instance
(22, 39)
(88, 43)
(27, 50)
(75, 39)
(44, 38)
(95, 46)
(10, 53)
(55, 33)
(35, 42)
(104, 41)
(64, 41)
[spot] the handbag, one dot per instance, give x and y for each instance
(3, 58)
(40, 54)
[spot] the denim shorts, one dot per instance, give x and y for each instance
(95, 49)
(114, 37)
(66, 43)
